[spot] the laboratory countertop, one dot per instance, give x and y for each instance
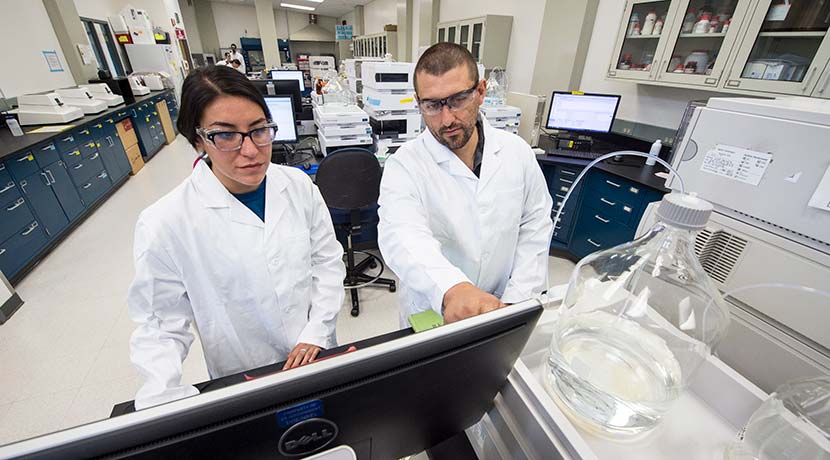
(633, 169)
(10, 144)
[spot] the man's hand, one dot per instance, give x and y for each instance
(303, 353)
(465, 300)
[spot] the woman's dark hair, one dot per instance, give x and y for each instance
(236, 61)
(205, 84)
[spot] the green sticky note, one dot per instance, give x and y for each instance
(425, 320)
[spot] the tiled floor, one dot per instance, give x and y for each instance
(64, 355)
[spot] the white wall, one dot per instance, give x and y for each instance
(289, 22)
(24, 48)
(524, 38)
(349, 18)
(379, 13)
(647, 104)
(233, 22)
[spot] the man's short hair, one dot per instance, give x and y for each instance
(440, 58)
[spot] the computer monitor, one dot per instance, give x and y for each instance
(386, 401)
(575, 111)
(282, 112)
(281, 88)
(289, 75)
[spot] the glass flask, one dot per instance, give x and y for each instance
(792, 424)
(637, 321)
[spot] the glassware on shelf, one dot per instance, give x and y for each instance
(634, 21)
(792, 424)
(648, 24)
(689, 21)
(636, 323)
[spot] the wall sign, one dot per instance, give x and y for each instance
(53, 61)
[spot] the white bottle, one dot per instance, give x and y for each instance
(14, 126)
(270, 89)
(648, 24)
(658, 27)
(654, 152)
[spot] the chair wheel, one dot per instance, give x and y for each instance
(355, 312)
(393, 288)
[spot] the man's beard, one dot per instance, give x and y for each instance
(455, 142)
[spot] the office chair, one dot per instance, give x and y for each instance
(349, 180)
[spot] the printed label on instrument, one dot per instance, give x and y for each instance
(735, 163)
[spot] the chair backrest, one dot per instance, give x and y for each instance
(349, 178)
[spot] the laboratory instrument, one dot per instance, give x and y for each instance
(340, 125)
(83, 99)
(533, 109)
(45, 109)
(102, 91)
(138, 86)
(389, 99)
(504, 117)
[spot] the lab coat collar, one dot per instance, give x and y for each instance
(445, 157)
(214, 195)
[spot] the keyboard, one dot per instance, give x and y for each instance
(579, 154)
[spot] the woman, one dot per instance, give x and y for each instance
(243, 249)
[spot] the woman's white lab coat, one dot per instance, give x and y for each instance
(441, 225)
(252, 289)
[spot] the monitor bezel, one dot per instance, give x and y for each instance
(301, 80)
(579, 93)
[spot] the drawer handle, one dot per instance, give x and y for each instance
(594, 244)
(26, 158)
(86, 186)
(30, 230)
(48, 147)
(570, 173)
(8, 187)
(560, 196)
(2, 251)
(78, 166)
(604, 221)
(2, 167)
(94, 156)
(609, 203)
(68, 139)
(566, 181)
(91, 144)
(103, 175)
(17, 204)
(612, 183)
(111, 142)
(51, 176)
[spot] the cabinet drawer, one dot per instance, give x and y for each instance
(66, 142)
(21, 247)
(14, 215)
(595, 231)
(88, 149)
(84, 135)
(85, 169)
(614, 208)
(72, 157)
(95, 187)
(616, 189)
(8, 189)
(22, 165)
(46, 154)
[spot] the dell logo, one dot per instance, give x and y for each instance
(307, 437)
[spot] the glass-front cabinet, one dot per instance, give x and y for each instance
(703, 32)
(641, 39)
(785, 49)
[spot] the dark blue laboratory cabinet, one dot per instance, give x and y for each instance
(603, 211)
(49, 187)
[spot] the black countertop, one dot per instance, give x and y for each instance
(10, 144)
(632, 168)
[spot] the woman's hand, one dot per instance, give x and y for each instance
(303, 353)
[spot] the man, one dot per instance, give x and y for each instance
(227, 60)
(237, 55)
(464, 208)
(237, 65)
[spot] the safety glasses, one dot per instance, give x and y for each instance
(455, 102)
(230, 141)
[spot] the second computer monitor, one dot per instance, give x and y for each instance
(289, 75)
(282, 113)
(575, 111)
